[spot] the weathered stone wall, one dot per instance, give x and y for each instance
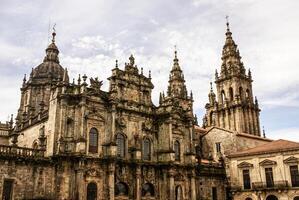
(229, 141)
(30, 179)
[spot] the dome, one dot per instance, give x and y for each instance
(50, 68)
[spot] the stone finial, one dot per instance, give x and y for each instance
(149, 74)
(84, 78)
(116, 63)
(79, 80)
(132, 60)
(264, 132)
(24, 80)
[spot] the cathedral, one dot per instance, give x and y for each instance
(71, 140)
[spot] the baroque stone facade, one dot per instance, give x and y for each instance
(73, 140)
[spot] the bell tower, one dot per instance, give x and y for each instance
(233, 106)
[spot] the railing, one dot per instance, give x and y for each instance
(272, 185)
(6, 150)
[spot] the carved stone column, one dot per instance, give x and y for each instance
(111, 183)
(138, 182)
(80, 181)
(193, 188)
(171, 184)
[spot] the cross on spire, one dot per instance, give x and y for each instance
(227, 22)
(54, 33)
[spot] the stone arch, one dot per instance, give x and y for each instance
(121, 189)
(148, 189)
(223, 96)
(35, 144)
(241, 93)
(178, 193)
(92, 191)
(271, 197)
(247, 93)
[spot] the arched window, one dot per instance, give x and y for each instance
(178, 193)
(35, 145)
(247, 93)
(120, 142)
(146, 149)
(91, 191)
(121, 189)
(93, 140)
(231, 94)
(271, 197)
(296, 198)
(222, 96)
(241, 93)
(211, 118)
(177, 150)
(148, 190)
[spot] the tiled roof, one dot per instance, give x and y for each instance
(271, 147)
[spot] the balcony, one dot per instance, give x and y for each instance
(273, 185)
(7, 150)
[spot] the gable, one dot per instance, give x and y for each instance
(291, 160)
(245, 165)
(267, 162)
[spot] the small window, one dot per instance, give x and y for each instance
(91, 191)
(241, 93)
(120, 142)
(146, 153)
(214, 193)
(178, 193)
(93, 140)
(222, 96)
(177, 150)
(218, 147)
(269, 177)
(294, 175)
(246, 179)
(7, 189)
(231, 94)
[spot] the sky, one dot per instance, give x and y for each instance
(92, 34)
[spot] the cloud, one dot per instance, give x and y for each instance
(91, 40)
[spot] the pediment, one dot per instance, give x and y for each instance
(291, 160)
(95, 116)
(267, 162)
(245, 165)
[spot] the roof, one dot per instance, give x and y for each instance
(200, 130)
(271, 147)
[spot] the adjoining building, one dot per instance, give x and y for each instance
(266, 172)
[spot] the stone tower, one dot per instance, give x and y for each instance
(35, 92)
(176, 118)
(233, 107)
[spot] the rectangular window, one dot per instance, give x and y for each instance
(269, 177)
(246, 179)
(7, 189)
(214, 193)
(294, 175)
(218, 147)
